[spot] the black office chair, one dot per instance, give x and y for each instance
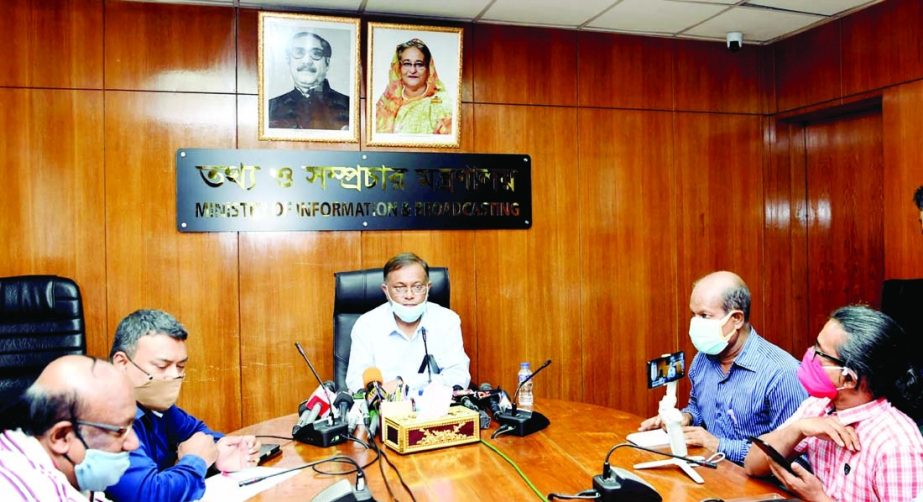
(356, 293)
(902, 299)
(41, 318)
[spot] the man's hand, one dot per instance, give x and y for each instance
(698, 436)
(830, 428)
(201, 445)
(237, 452)
(651, 424)
(656, 423)
(805, 484)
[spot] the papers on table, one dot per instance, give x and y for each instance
(649, 439)
(223, 487)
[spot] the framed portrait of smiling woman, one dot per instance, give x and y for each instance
(309, 78)
(414, 85)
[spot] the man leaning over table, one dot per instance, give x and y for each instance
(176, 449)
(742, 385)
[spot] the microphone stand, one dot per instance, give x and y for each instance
(522, 423)
(429, 369)
(674, 422)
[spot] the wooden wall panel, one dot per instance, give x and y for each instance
(624, 71)
(516, 65)
(784, 280)
(626, 218)
(160, 47)
(248, 32)
(720, 187)
(52, 198)
(808, 67)
(52, 43)
(903, 173)
(845, 214)
(149, 263)
(528, 282)
(883, 45)
(711, 78)
(286, 296)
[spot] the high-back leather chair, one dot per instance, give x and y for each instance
(356, 292)
(41, 318)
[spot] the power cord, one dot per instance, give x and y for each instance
(399, 477)
(518, 470)
(341, 473)
(381, 467)
(501, 431)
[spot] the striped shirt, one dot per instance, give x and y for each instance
(757, 394)
(28, 474)
(889, 463)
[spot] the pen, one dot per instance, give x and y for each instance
(733, 417)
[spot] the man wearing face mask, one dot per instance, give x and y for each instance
(395, 336)
(69, 435)
(742, 385)
(176, 448)
(855, 427)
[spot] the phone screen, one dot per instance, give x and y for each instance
(666, 369)
(772, 453)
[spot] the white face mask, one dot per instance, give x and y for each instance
(407, 314)
(706, 334)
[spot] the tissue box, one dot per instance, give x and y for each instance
(407, 434)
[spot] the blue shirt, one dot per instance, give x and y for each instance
(759, 392)
(154, 473)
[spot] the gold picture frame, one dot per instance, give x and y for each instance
(309, 78)
(431, 70)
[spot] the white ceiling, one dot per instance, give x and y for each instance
(761, 21)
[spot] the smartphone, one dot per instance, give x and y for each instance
(269, 450)
(772, 453)
(666, 369)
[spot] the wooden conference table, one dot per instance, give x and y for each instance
(562, 458)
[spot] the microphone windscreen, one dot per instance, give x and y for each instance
(371, 374)
(485, 387)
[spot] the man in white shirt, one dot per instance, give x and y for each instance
(396, 336)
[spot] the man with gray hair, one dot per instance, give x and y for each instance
(742, 385)
(312, 104)
(176, 448)
(69, 434)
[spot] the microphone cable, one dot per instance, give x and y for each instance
(343, 473)
(381, 467)
(516, 467)
(501, 431)
(396, 471)
(335, 458)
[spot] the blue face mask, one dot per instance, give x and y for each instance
(707, 335)
(99, 469)
(409, 314)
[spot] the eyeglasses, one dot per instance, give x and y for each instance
(818, 352)
(407, 65)
(416, 289)
(120, 431)
(150, 376)
(300, 53)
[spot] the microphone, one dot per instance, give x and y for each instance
(464, 399)
(372, 378)
(426, 358)
(313, 407)
(343, 402)
(523, 423)
(308, 429)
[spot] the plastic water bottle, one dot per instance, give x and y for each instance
(526, 399)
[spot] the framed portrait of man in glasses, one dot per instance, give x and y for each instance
(414, 85)
(308, 78)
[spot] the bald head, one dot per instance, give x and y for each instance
(78, 386)
(724, 291)
(85, 377)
